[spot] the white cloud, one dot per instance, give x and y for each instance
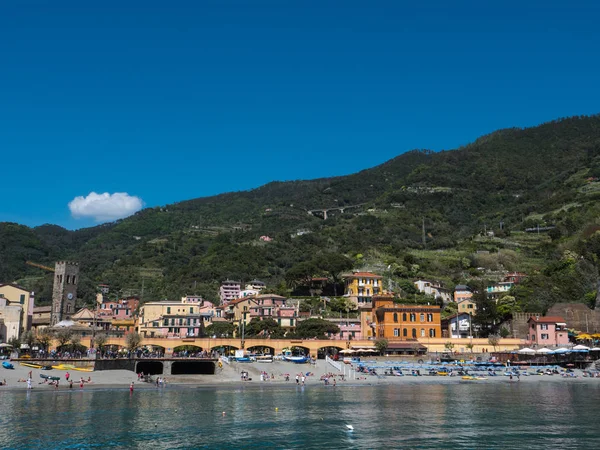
(105, 207)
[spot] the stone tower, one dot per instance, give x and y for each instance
(64, 293)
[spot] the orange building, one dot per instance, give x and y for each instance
(394, 321)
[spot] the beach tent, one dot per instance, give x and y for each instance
(543, 351)
(526, 351)
(581, 347)
(595, 349)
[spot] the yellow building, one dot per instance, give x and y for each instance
(405, 322)
(362, 286)
(19, 296)
(467, 306)
(174, 319)
(366, 319)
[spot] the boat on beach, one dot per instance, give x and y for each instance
(296, 359)
(7, 365)
(35, 366)
(48, 377)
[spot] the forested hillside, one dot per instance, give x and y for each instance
(501, 184)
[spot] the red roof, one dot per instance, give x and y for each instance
(364, 274)
(548, 319)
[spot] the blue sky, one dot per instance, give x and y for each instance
(167, 101)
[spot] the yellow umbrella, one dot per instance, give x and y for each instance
(596, 335)
(583, 337)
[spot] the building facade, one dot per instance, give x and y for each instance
(405, 322)
(467, 306)
(434, 289)
(229, 290)
(175, 319)
(547, 331)
(462, 292)
(19, 296)
(10, 320)
(362, 286)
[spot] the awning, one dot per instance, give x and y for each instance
(406, 346)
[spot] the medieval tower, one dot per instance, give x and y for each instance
(64, 293)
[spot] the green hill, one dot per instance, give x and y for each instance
(503, 183)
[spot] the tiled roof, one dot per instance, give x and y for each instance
(363, 274)
(548, 319)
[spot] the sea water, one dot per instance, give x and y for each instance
(478, 415)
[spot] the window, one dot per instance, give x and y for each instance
(429, 317)
(291, 322)
(22, 299)
(413, 317)
(422, 332)
(74, 279)
(544, 326)
(470, 306)
(414, 332)
(403, 317)
(544, 336)
(166, 322)
(422, 317)
(68, 279)
(396, 332)
(168, 310)
(191, 310)
(432, 332)
(405, 332)
(396, 317)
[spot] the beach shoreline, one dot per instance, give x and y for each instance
(230, 377)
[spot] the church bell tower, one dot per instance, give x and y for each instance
(64, 293)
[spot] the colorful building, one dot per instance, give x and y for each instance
(547, 331)
(405, 322)
(434, 289)
(175, 319)
(467, 306)
(362, 286)
(19, 296)
(458, 326)
(462, 292)
(229, 290)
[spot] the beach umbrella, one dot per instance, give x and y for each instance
(581, 347)
(595, 349)
(526, 351)
(560, 351)
(583, 337)
(4, 345)
(543, 351)
(345, 352)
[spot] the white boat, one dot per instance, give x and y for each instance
(264, 359)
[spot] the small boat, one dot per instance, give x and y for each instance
(48, 377)
(84, 369)
(244, 359)
(7, 365)
(264, 359)
(47, 367)
(64, 367)
(35, 366)
(296, 359)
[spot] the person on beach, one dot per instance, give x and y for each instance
(67, 375)
(70, 384)
(29, 383)
(131, 387)
(297, 379)
(56, 385)
(81, 384)
(303, 379)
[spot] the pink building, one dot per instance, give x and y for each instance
(350, 329)
(547, 331)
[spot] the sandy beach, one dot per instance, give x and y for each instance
(230, 375)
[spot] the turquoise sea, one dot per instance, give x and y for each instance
(495, 415)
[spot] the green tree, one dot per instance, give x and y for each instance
(265, 327)
(494, 340)
(504, 332)
(507, 306)
(100, 340)
(470, 347)
(28, 338)
(334, 264)
(221, 329)
(45, 337)
(381, 345)
(63, 336)
(315, 328)
(15, 343)
(132, 341)
(449, 346)
(301, 274)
